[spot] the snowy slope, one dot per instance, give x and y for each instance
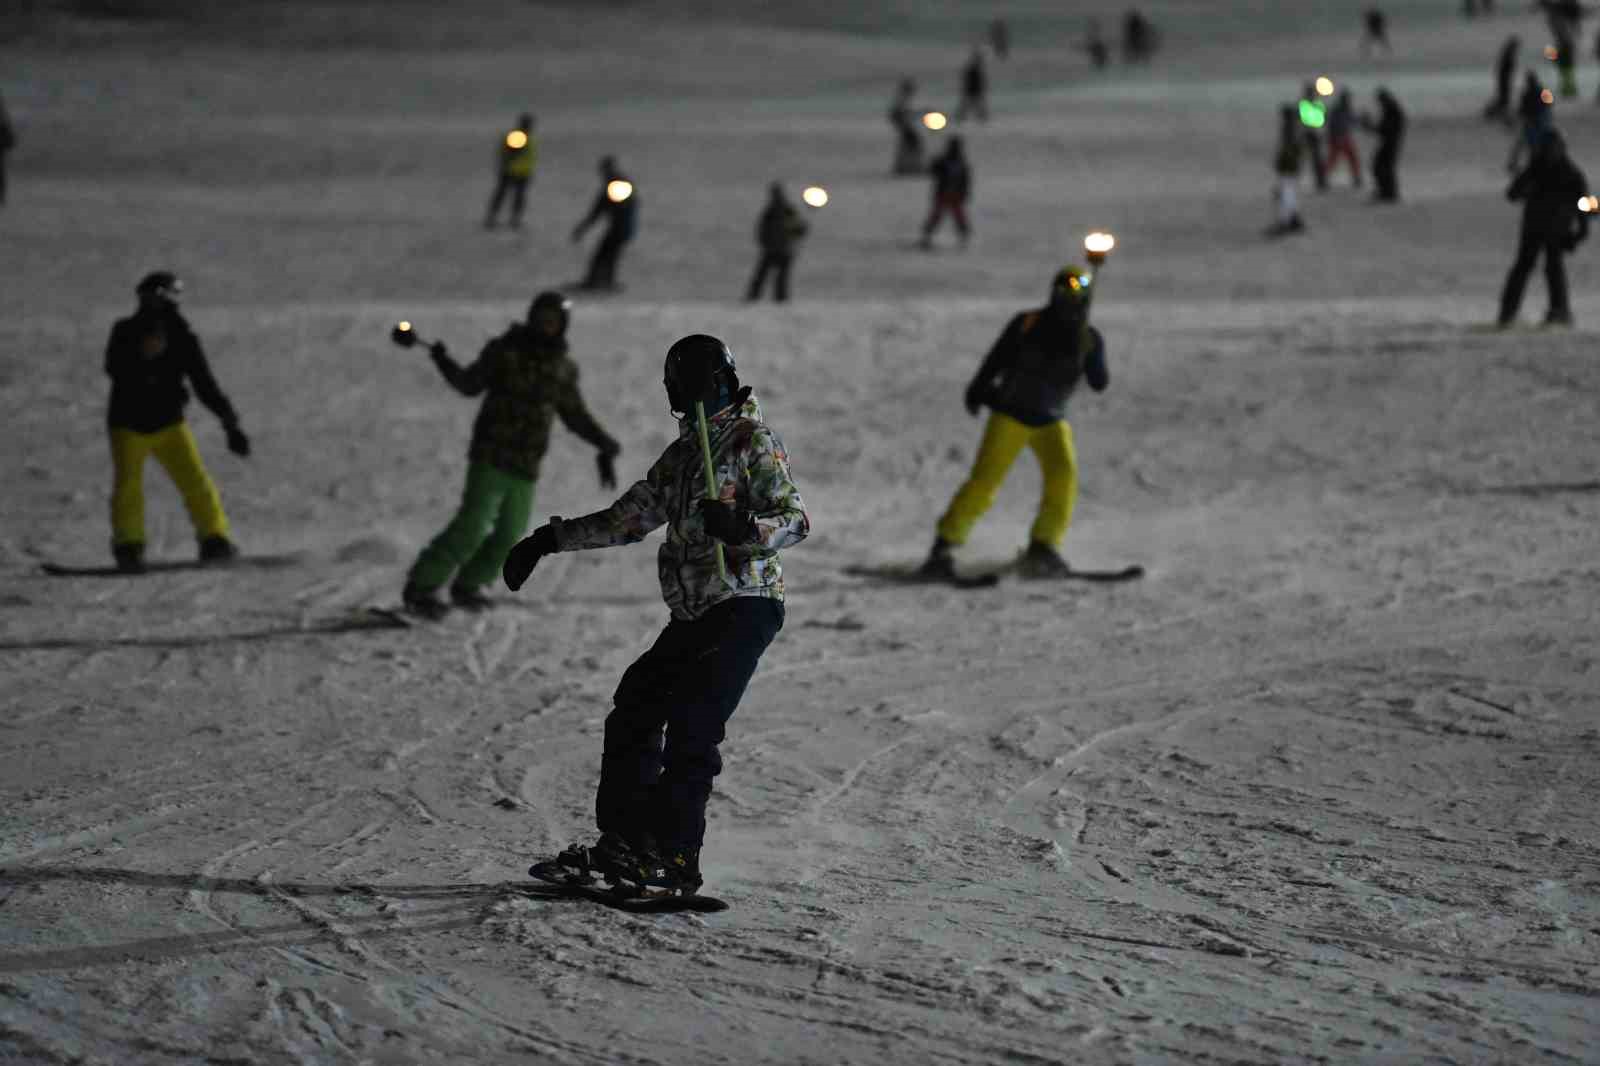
(1321, 787)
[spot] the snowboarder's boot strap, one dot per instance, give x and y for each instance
(577, 864)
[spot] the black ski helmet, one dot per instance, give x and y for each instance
(161, 285)
(699, 367)
(551, 300)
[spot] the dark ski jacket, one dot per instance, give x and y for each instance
(529, 381)
(1549, 190)
(149, 357)
(952, 176)
(780, 228)
(1391, 125)
(622, 220)
(1035, 366)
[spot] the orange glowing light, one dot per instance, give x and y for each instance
(1099, 245)
(1552, 53)
(815, 195)
(1324, 86)
(1546, 96)
(618, 190)
(934, 120)
(516, 139)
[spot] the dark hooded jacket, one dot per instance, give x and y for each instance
(1036, 364)
(147, 390)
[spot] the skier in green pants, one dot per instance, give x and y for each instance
(528, 378)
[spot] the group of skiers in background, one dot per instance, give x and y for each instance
(1551, 188)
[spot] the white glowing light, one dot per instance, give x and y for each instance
(618, 190)
(516, 139)
(1099, 243)
(815, 195)
(403, 327)
(1324, 86)
(934, 120)
(1588, 204)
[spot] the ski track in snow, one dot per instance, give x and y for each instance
(1318, 788)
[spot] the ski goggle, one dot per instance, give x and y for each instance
(1073, 286)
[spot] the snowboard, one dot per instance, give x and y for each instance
(168, 566)
(633, 904)
(901, 574)
(1112, 575)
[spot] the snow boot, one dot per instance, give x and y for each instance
(671, 873)
(469, 599)
(940, 564)
(217, 549)
(129, 557)
(1041, 561)
(424, 603)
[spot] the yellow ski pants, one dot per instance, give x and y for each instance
(1003, 439)
(174, 448)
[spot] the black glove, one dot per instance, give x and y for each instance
(608, 469)
(526, 555)
(438, 350)
(726, 522)
(974, 398)
(238, 443)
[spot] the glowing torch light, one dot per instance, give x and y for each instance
(1098, 245)
(815, 195)
(618, 190)
(1547, 97)
(403, 335)
(934, 120)
(1588, 204)
(516, 140)
(1552, 53)
(1324, 86)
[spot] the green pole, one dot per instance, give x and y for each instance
(711, 478)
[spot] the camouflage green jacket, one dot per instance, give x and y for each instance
(529, 380)
(751, 471)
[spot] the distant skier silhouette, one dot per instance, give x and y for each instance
(778, 234)
(517, 156)
(1552, 226)
(952, 187)
(617, 201)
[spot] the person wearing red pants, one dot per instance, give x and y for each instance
(952, 187)
(1342, 137)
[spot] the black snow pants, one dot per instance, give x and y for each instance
(602, 272)
(1555, 275)
(779, 264)
(669, 715)
(1383, 171)
(518, 188)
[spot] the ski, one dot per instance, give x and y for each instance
(633, 904)
(898, 574)
(169, 566)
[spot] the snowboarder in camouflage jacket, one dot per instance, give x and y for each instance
(673, 703)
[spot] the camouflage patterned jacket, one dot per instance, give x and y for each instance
(529, 380)
(752, 471)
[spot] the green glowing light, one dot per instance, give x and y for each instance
(1312, 114)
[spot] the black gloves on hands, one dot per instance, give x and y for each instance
(974, 398)
(726, 522)
(606, 461)
(238, 443)
(438, 350)
(526, 555)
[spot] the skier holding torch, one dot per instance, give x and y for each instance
(724, 492)
(1025, 381)
(527, 380)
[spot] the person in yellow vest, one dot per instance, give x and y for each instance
(150, 355)
(1025, 381)
(518, 155)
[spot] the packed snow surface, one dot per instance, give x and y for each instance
(1321, 787)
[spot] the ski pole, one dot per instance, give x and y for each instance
(711, 479)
